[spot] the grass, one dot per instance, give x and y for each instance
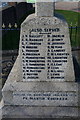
(72, 19)
(11, 39)
(70, 16)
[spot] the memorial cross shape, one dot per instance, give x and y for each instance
(46, 49)
(44, 8)
(42, 82)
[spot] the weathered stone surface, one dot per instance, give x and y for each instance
(50, 98)
(42, 82)
(39, 112)
(38, 93)
(44, 8)
(46, 50)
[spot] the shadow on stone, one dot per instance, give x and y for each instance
(76, 69)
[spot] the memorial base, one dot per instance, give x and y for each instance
(39, 112)
(46, 99)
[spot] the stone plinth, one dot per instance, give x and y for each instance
(42, 81)
(49, 99)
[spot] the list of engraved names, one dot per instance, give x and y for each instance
(43, 49)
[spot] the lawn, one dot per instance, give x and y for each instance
(73, 19)
(70, 16)
(11, 39)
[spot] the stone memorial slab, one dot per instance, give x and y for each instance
(45, 98)
(42, 81)
(45, 47)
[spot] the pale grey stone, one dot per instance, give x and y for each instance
(39, 112)
(15, 93)
(33, 24)
(26, 97)
(1, 106)
(44, 9)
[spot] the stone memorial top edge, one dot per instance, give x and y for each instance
(44, 8)
(50, 32)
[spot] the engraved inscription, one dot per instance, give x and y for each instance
(43, 49)
(48, 98)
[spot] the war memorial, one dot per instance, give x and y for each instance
(42, 83)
